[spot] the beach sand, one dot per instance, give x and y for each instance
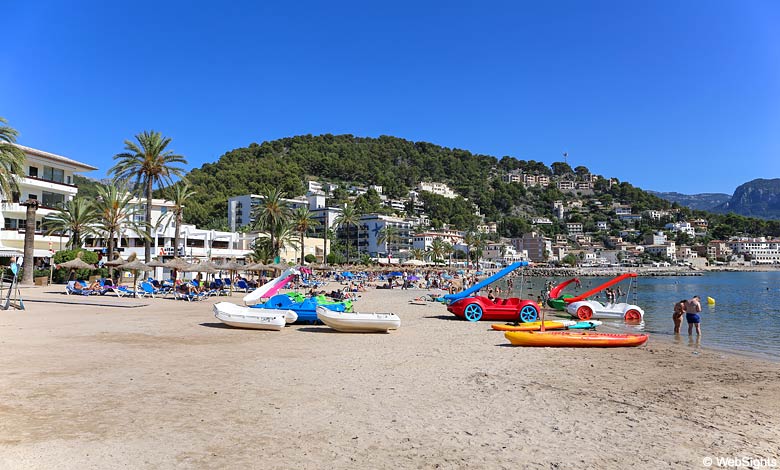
(158, 383)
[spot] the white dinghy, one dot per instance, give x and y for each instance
(352, 322)
(254, 318)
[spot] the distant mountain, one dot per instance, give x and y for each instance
(757, 198)
(702, 202)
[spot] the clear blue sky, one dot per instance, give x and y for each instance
(668, 95)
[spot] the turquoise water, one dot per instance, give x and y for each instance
(745, 317)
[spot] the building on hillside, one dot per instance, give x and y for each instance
(512, 178)
(437, 188)
(757, 250)
(656, 215)
(47, 179)
(370, 236)
(565, 185)
(719, 249)
(503, 254)
(538, 247)
(602, 225)
(655, 238)
(574, 228)
(241, 208)
(543, 181)
(424, 240)
(622, 210)
(490, 227)
(681, 227)
(541, 221)
(667, 250)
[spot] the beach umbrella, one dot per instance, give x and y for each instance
(231, 266)
(176, 264)
(413, 278)
(135, 266)
(396, 274)
(155, 263)
(77, 263)
(279, 266)
(115, 262)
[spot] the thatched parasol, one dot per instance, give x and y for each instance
(155, 263)
(135, 266)
(279, 266)
(176, 264)
(256, 267)
(77, 263)
(115, 262)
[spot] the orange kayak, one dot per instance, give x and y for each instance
(534, 326)
(574, 339)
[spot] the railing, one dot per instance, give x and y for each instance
(50, 181)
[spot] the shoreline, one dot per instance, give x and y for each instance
(165, 385)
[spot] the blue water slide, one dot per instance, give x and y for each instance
(450, 298)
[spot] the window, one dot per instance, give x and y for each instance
(33, 171)
(53, 174)
(34, 197)
(53, 199)
(163, 210)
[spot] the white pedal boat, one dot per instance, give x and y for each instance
(254, 318)
(592, 309)
(352, 322)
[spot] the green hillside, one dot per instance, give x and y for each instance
(396, 164)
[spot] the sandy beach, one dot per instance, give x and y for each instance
(101, 382)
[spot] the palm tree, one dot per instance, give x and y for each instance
(271, 214)
(29, 240)
(389, 235)
(115, 213)
(437, 248)
(349, 217)
(281, 236)
(417, 253)
(76, 217)
(148, 164)
(11, 161)
(303, 222)
(179, 193)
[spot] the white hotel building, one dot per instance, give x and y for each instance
(760, 250)
(48, 178)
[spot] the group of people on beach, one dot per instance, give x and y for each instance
(689, 308)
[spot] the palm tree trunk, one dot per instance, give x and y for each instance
(110, 248)
(148, 241)
(303, 252)
(29, 241)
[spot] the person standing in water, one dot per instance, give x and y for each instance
(692, 309)
(677, 316)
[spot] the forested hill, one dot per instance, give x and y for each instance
(396, 164)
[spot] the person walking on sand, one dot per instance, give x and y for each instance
(692, 309)
(679, 311)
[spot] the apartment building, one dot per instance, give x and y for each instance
(48, 179)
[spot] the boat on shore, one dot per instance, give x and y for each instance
(353, 322)
(253, 318)
(574, 339)
(535, 325)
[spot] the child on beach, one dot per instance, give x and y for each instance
(679, 311)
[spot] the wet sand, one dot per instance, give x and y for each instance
(164, 385)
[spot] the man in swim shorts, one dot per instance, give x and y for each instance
(692, 309)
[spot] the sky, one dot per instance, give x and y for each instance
(667, 95)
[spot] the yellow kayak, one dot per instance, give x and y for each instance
(571, 339)
(534, 325)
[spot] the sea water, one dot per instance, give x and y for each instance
(744, 318)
